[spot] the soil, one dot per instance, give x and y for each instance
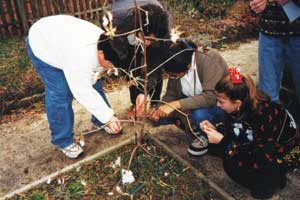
(156, 175)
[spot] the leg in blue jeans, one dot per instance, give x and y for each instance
(213, 114)
(292, 50)
(58, 103)
(271, 62)
(98, 86)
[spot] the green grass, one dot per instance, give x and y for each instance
(17, 77)
(206, 9)
(13, 62)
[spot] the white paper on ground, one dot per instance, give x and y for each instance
(127, 176)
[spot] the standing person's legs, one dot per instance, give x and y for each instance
(293, 60)
(271, 62)
(58, 100)
(99, 87)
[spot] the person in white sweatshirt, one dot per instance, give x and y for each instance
(63, 50)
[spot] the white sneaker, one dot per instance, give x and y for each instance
(199, 146)
(72, 151)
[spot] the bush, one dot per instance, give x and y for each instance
(207, 9)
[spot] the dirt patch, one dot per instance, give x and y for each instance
(26, 153)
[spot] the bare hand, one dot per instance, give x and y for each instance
(140, 105)
(103, 62)
(213, 135)
(165, 110)
(153, 115)
(206, 124)
(114, 125)
(258, 5)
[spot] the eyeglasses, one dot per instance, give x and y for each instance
(175, 77)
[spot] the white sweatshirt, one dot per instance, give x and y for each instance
(70, 44)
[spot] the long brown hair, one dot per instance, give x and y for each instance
(245, 91)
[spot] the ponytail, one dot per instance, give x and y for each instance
(251, 90)
(243, 90)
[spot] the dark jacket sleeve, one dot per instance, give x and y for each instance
(297, 2)
(211, 69)
(172, 92)
(123, 13)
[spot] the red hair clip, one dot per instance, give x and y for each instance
(235, 75)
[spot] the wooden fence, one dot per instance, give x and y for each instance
(16, 16)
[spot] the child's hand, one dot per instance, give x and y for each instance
(164, 110)
(153, 115)
(167, 109)
(213, 135)
(140, 105)
(206, 124)
(114, 125)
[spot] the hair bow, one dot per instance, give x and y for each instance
(235, 75)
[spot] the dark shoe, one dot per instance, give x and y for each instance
(282, 182)
(199, 146)
(263, 193)
(164, 121)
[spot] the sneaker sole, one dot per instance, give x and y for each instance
(197, 153)
(72, 157)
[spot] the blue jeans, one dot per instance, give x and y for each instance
(213, 114)
(273, 54)
(58, 100)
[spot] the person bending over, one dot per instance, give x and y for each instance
(63, 51)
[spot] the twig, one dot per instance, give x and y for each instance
(179, 111)
(160, 65)
(132, 155)
(139, 138)
(151, 154)
(140, 67)
(134, 57)
(104, 125)
(182, 113)
(118, 35)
